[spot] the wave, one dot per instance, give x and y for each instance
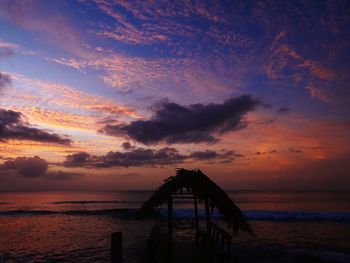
(83, 202)
(96, 202)
(242, 201)
(297, 215)
(185, 213)
(273, 215)
(103, 212)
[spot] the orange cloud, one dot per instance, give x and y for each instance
(319, 71)
(60, 119)
(315, 139)
(317, 93)
(51, 94)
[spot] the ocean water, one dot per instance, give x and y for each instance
(76, 226)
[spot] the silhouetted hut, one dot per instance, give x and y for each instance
(193, 184)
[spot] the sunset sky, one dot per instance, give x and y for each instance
(103, 95)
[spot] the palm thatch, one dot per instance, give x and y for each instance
(202, 187)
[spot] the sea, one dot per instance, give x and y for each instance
(75, 226)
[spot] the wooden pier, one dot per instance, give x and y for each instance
(211, 244)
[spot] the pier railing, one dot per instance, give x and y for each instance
(217, 242)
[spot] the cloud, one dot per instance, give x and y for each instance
(155, 23)
(134, 157)
(283, 110)
(173, 123)
(61, 106)
(127, 146)
(322, 72)
(8, 45)
(33, 167)
(59, 118)
(269, 152)
(204, 155)
(62, 95)
(318, 93)
(61, 175)
(78, 159)
(13, 127)
(43, 18)
(7, 48)
(5, 80)
(209, 155)
(130, 174)
(294, 150)
(26, 166)
(202, 75)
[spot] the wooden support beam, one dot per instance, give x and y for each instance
(182, 196)
(116, 247)
(196, 218)
(170, 228)
(207, 214)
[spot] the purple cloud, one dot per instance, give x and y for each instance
(146, 157)
(26, 166)
(13, 127)
(173, 123)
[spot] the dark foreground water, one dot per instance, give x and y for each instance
(76, 226)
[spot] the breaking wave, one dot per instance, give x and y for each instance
(95, 202)
(185, 212)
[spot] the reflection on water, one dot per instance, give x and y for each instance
(68, 238)
(67, 200)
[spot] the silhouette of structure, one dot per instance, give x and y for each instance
(195, 185)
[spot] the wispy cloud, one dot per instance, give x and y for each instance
(60, 119)
(7, 48)
(46, 19)
(162, 77)
(67, 96)
(317, 93)
(313, 63)
(5, 80)
(52, 99)
(8, 45)
(156, 24)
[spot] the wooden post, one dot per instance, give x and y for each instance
(209, 247)
(207, 214)
(170, 228)
(116, 247)
(196, 218)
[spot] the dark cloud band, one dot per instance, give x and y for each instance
(33, 167)
(173, 123)
(13, 127)
(146, 157)
(26, 166)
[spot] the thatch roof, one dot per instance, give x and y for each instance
(202, 187)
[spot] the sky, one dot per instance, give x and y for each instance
(102, 95)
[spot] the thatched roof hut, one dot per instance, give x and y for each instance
(204, 189)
